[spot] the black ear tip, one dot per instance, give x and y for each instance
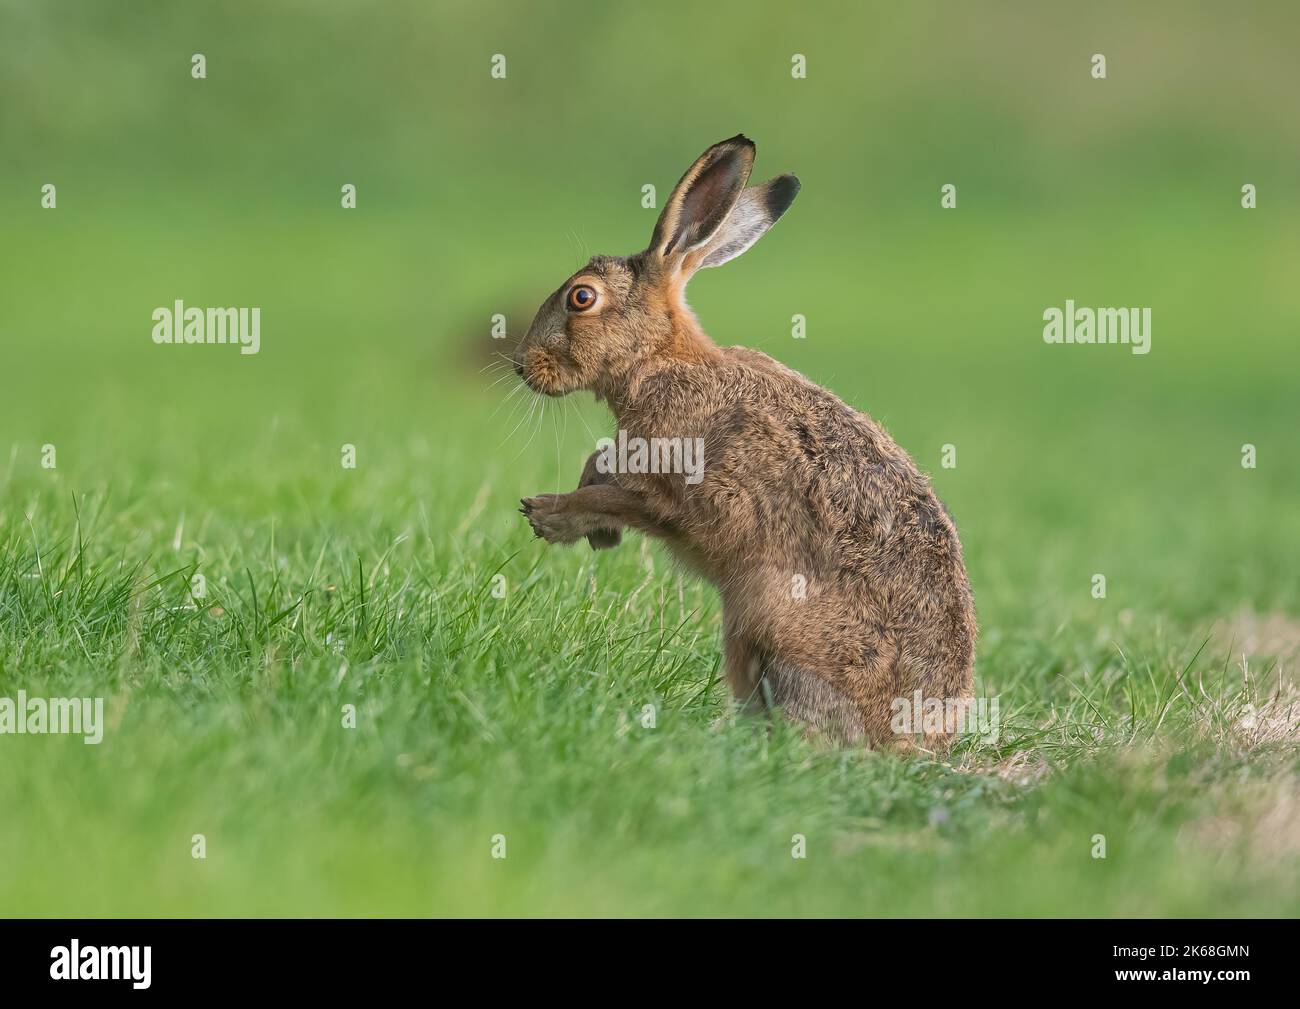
(739, 140)
(780, 194)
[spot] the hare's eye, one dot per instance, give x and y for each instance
(581, 298)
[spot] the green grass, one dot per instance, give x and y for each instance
(1163, 717)
(521, 715)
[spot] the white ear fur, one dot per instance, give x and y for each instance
(702, 198)
(757, 209)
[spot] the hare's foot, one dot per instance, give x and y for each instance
(550, 520)
(600, 510)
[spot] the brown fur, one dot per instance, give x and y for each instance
(795, 482)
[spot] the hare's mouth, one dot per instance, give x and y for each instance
(535, 384)
(553, 393)
(541, 376)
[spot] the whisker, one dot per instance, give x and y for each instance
(513, 407)
(541, 402)
(498, 380)
(590, 432)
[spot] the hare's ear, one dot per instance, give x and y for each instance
(702, 199)
(757, 209)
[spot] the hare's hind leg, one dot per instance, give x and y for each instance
(744, 667)
(761, 683)
(803, 697)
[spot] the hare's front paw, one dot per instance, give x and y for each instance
(547, 515)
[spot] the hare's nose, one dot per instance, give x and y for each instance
(519, 369)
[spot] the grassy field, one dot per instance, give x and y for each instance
(1164, 717)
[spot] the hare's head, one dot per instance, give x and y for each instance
(619, 311)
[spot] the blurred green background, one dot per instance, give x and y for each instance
(478, 196)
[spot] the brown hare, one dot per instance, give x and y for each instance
(841, 575)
